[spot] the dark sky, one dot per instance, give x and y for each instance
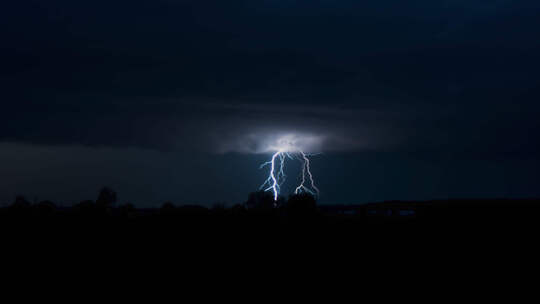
(167, 99)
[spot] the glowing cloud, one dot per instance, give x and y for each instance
(289, 146)
(267, 142)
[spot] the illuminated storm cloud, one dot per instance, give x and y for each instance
(283, 146)
(256, 143)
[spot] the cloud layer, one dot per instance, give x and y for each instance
(204, 75)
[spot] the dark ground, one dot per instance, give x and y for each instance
(260, 215)
(402, 248)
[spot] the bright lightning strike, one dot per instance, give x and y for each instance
(306, 169)
(276, 177)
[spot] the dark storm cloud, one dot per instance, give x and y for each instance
(432, 76)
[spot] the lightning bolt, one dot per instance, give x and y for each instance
(273, 181)
(306, 169)
(276, 176)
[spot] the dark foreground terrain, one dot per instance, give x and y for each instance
(261, 236)
(299, 213)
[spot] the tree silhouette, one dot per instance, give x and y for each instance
(260, 200)
(21, 202)
(301, 204)
(107, 197)
(44, 208)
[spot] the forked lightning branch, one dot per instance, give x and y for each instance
(276, 177)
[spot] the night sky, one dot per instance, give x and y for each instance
(174, 100)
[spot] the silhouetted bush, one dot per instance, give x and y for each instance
(218, 207)
(261, 201)
(128, 210)
(21, 203)
(168, 209)
(20, 207)
(303, 204)
(44, 208)
(107, 197)
(237, 210)
(86, 209)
